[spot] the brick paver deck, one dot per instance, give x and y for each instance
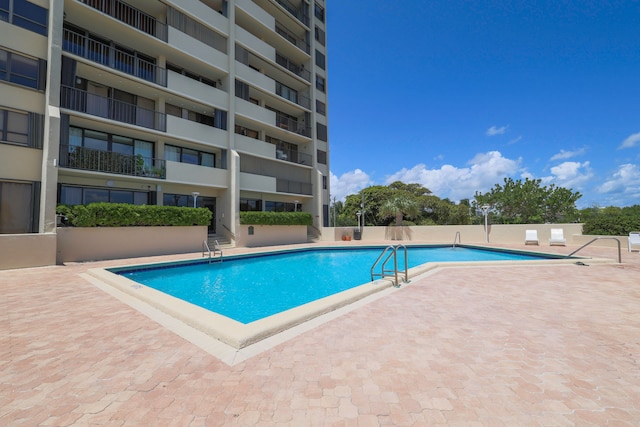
(499, 346)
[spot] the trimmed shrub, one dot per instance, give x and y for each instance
(126, 215)
(276, 218)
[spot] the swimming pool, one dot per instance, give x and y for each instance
(250, 288)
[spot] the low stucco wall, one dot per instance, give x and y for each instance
(498, 233)
(268, 235)
(27, 250)
(77, 244)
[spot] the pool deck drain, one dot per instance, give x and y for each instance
(461, 346)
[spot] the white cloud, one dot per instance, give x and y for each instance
(515, 140)
(568, 154)
(493, 130)
(573, 175)
(349, 183)
(631, 141)
(623, 187)
(455, 183)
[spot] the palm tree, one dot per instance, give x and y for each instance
(398, 206)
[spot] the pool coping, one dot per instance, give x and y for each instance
(234, 336)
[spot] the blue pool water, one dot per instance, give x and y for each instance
(250, 288)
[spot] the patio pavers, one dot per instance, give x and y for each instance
(522, 345)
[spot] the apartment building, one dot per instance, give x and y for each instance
(217, 103)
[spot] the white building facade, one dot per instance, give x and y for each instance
(221, 103)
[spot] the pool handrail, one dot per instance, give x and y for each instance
(598, 238)
(383, 271)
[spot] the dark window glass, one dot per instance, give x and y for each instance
(320, 36)
(322, 157)
(321, 131)
(320, 59)
(189, 156)
(318, 11)
(30, 16)
(95, 195)
(117, 196)
(321, 108)
(175, 200)
(14, 127)
(16, 207)
(320, 84)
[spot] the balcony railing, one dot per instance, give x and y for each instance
(109, 108)
(131, 16)
(75, 157)
(293, 39)
(283, 121)
(293, 156)
(298, 12)
(113, 57)
(293, 67)
(296, 187)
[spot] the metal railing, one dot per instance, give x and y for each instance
(292, 38)
(295, 68)
(598, 238)
(113, 109)
(295, 187)
(90, 159)
(293, 156)
(457, 238)
(131, 16)
(112, 57)
(298, 12)
(391, 252)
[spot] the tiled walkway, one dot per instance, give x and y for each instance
(525, 346)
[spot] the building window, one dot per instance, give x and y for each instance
(191, 75)
(320, 83)
(181, 200)
(188, 155)
(324, 182)
(14, 127)
(17, 207)
(24, 14)
(320, 36)
(322, 157)
(71, 195)
(320, 59)
(321, 108)
(247, 205)
(318, 11)
(271, 206)
(321, 132)
(217, 120)
(21, 70)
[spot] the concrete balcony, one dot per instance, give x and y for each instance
(253, 182)
(197, 175)
(255, 45)
(213, 18)
(255, 146)
(255, 112)
(257, 79)
(197, 49)
(194, 131)
(196, 90)
(257, 13)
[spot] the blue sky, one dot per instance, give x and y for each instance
(457, 95)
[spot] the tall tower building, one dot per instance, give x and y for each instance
(218, 102)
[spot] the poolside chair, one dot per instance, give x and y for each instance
(634, 240)
(557, 237)
(531, 237)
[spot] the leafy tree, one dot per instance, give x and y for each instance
(528, 202)
(400, 204)
(611, 221)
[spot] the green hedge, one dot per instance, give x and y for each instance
(276, 218)
(126, 215)
(619, 225)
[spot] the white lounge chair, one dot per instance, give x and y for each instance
(557, 237)
(634, 240)
(531, 237)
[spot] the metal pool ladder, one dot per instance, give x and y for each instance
(216, 248)
(457, 239)
(391, 252)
